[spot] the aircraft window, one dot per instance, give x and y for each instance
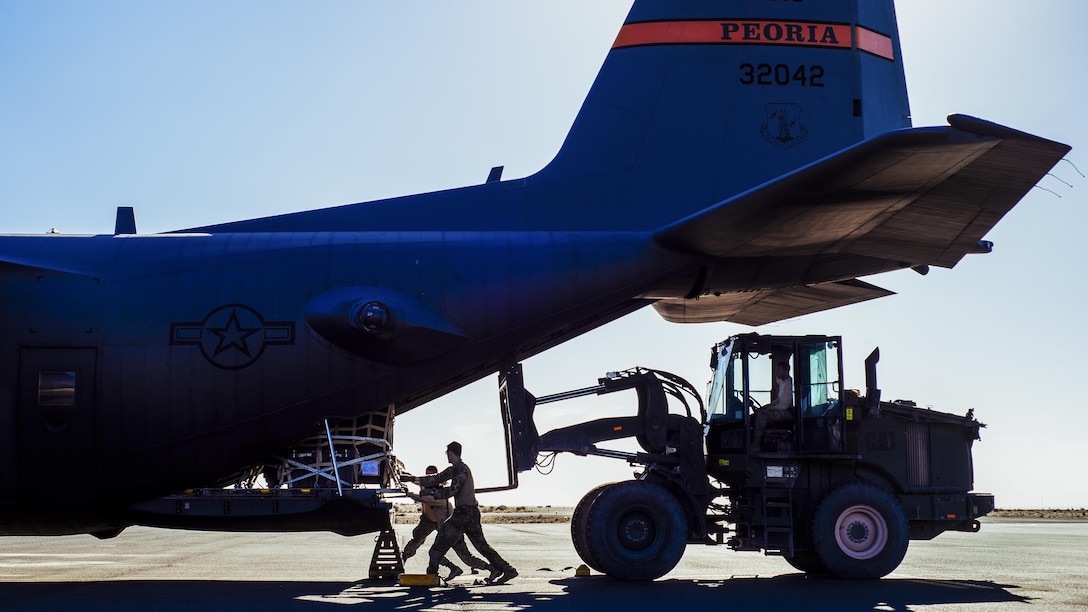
(57, 388)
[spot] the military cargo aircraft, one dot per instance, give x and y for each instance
(733, 161)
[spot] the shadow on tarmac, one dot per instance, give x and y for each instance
(786, 592)
(799, 592)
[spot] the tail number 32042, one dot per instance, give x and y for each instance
(781, 74)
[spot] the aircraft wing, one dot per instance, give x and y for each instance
(910, 197)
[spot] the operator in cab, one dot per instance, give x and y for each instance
(780, 408)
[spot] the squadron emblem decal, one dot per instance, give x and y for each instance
(232, 336)
(782, 125)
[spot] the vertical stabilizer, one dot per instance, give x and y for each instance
(698, 101)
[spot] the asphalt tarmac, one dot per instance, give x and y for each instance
(1011, 565)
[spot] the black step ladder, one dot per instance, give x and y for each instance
(778, 527)
(386, 564)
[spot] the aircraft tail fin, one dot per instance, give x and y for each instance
(695, 102)
(698, 101)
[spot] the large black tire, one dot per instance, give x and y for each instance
(809, 563)
(578, 526)
(635, 531)
(806, 559)
(859, 531)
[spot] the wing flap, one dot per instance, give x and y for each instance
(767, 306)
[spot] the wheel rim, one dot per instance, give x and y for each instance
(636, 531)
(861, 532)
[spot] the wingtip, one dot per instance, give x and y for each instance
(982, 127)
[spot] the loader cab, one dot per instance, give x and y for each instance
(744, 381)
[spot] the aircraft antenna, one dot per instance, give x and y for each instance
(1054, 176)
(1066, 160)
(1049, 190)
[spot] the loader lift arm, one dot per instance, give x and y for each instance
(650, 426)
(672, 444)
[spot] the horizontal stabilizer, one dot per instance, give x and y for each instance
(762, 307)
(916, 196)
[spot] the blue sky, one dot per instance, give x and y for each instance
(201, 112)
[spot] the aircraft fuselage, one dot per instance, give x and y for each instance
(162, 337)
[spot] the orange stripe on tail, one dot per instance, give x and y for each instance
(737, 32)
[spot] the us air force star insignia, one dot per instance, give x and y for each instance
(232, 336)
